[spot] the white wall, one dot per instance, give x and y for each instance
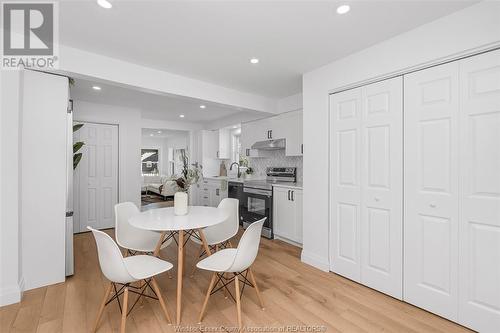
(129, 142)
(11, 283)
(468, 29)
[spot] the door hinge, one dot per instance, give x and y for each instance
(70, 106)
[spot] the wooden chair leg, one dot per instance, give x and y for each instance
(101, 308)
(209, 291)
(238, 301)
(124, 310)
(254, 282)
(160, 298)
(200, 251)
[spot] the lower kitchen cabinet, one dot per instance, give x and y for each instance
(287, 214)
(210, 192)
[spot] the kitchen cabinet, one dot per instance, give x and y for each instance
(210, 143)
(211, 192)
(217, 144)
(287, 214)
(224, 144)
(286, 126)
(290, 128)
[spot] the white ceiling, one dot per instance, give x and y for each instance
(157, 106)
(162, 133)
(214, 40)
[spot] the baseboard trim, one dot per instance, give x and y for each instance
(315, 261)
(12, 294)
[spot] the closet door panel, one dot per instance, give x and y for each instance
(345, 115)
(381, 186)
(431, 189)
(479, 304)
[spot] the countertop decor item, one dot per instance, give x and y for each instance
(180, 203)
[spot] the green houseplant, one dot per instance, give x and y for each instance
(76, 147)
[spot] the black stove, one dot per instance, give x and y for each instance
(256, 197)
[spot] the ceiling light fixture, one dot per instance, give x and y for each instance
(181, 116)
(343, 9)
(202, 106)
(159, 132)
(254, 61)
(151, 134)
(96, 87)
(104, 4)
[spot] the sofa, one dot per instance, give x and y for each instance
(160, 185)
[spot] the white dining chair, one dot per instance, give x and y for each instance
(123, 272)
(219, 236)
(132, 239)
(237, 262)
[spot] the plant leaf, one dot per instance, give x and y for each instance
(76, 160)
(76, 127)
(77, 146)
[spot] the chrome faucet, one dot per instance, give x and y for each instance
(231, 168)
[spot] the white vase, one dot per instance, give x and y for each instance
(180, 203)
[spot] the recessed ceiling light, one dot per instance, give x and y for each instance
(235, 127)
(104, 4)
(202, 106)
(96, 87)
(343, 9)
(159, 132)
(254, 61)
(182, 116)
(151, 134)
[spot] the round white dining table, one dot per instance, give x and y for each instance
(165, 222)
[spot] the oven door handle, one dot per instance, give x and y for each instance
(257, 191)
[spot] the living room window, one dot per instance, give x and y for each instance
(149, 162)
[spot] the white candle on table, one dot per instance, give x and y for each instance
(180, 203)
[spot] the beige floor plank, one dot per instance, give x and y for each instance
(293, 293)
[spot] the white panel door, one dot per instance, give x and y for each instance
(431, 189)
(479, 264)
(96, 185)
(345, 184)
(382, 186)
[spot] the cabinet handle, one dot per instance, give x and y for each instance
(289, 195)
(302, 148)
(248, 152)
(217, 154)
(270, 134)
(292, 196)
(217, 191)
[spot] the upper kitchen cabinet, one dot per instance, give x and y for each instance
(224, 136)
(210, 142)
(290, 128)
(217, 144)
(286, 126)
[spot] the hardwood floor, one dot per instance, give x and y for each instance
(293, 293)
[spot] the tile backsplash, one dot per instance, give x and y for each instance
(277, 159)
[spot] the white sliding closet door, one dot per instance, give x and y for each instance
(382, 186)
(479, 304)
(96, 177)
(345, 182)
(431, 189)
(366, 185)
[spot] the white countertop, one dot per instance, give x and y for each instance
(297, 185)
